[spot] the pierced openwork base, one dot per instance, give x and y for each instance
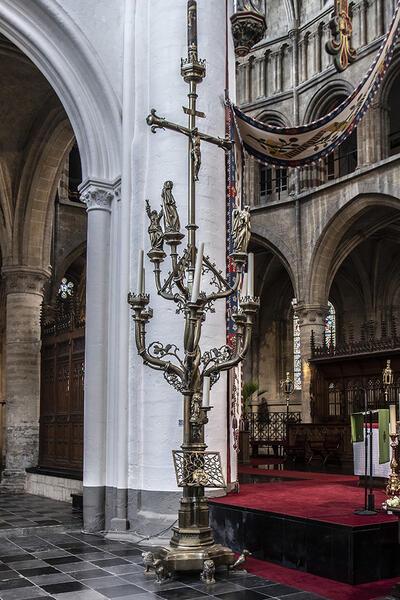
(166, 561)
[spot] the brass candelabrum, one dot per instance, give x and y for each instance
(393, 485)
(193, 373)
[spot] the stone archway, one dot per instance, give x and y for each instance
(53, 42)
(324, 262)
(89, 109)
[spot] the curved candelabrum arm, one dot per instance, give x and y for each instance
(152, 361)
(160, 287)
(229, 289)
(243, 347)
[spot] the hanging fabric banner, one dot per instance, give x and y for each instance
(300, 146)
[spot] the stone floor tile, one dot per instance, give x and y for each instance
(27, 564)
(73, 566)
(122, 569)
(62, 588)
(17, 557)
(103, 582)
(80, 595)
(277, 590)
(120, 591)
(244, 595)
(42, 580)
(27, 593)
(106, 563)
(93, 573)
(149, 583)
(63, 560)
(182, 593)
(51, 552)
(219, 587)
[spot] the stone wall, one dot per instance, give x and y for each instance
(329, 236)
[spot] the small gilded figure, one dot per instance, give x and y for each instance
(171, 217)
(241, 231)
(155, 230)
(196, 153)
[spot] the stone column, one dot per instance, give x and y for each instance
(372, 143)
(311, 318)
(155, 408)
(304, 61)
(266, 87)
(24, 296)
(98, 196)
(363, 23)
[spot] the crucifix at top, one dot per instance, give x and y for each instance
(193, 71)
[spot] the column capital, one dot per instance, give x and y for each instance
(310, 314)
(23, 279)
(98, 194)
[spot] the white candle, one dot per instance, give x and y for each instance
(197, 274)
(393, 420)
(140, 273)
(206, 392)
(143, 280)
(250, 275)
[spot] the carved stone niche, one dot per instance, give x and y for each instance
(248, 25)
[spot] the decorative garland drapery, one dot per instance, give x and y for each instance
(304, 145)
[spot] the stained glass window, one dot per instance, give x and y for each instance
(330, 332)
(296, 349)
(66, 288)
(330, 325)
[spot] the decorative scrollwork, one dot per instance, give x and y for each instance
(198, 468)
(174, 381)
(158, 350)
(217, 279)
(216, 356)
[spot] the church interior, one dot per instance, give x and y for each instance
(311, 475)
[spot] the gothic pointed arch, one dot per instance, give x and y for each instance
(361, 217)
(49, 37)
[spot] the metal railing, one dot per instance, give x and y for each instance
(272, 427)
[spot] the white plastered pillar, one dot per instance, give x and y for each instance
(98, 196)
(155, 408)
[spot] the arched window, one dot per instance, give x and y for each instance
(330, 333)
(330, 325)
(74, 174)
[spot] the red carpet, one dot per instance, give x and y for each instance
(333, 590)
(327, 498)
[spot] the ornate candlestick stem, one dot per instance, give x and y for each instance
(393, 486)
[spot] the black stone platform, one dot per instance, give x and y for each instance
(350, 554)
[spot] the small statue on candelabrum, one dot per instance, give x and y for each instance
(171, 217)
(241, 229)
(155, 231)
